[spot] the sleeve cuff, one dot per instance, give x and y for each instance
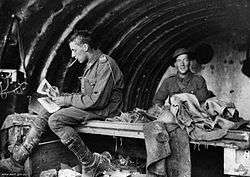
(67, 100)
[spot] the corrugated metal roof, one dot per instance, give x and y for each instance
(140, 35)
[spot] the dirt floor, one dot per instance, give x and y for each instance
(206, 161)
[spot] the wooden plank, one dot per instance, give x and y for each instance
(140, 135)
(115, 125)
(122, 129)
(112, 132)
(138, 175)
(215, 143)
(50, 155)
(135, 130)
(232, 134)
(236, 162)
(238, 135)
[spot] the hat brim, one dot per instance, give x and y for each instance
(191, 56)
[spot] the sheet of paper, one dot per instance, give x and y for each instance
(46, 89)
(48, 104)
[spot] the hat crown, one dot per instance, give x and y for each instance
(180, 51)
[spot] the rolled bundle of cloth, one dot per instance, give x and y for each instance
(208, 121)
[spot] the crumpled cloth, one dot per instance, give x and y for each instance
(168, 152)
(135, 116)
(189, 116)
(24, 119)
(210, 121)
(13, 131)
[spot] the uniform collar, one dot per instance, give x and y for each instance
(96, 55)
(186, 79)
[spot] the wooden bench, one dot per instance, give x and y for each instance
(236, 161)
(135, 130)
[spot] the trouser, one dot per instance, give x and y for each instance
(61, 123)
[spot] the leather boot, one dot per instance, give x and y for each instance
(102, 164)
(77, 146)
(93, 163)
(16, 162)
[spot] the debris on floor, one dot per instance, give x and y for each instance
(49, 173)
(68, 173)
(124, 166)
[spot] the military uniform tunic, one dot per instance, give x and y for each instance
(101, 87)
(192, 83)
(100, 96)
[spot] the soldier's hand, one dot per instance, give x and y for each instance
(59, 100)
(53, 92)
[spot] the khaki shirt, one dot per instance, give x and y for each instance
(192, 83)
(101, 87)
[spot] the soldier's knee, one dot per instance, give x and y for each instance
(40, 123)
(54, 122)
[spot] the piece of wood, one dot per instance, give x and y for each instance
(50, 155)
(121, 129)
(112, 132)
(115, 125)
(234, 139)
(216, 143)
(236, 162)
(238, 135)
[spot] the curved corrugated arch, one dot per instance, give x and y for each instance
(140, 35)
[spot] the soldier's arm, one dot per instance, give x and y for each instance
(162, 94)
(100, 94)
(202, 91)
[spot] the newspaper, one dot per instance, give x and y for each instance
(46, 89)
